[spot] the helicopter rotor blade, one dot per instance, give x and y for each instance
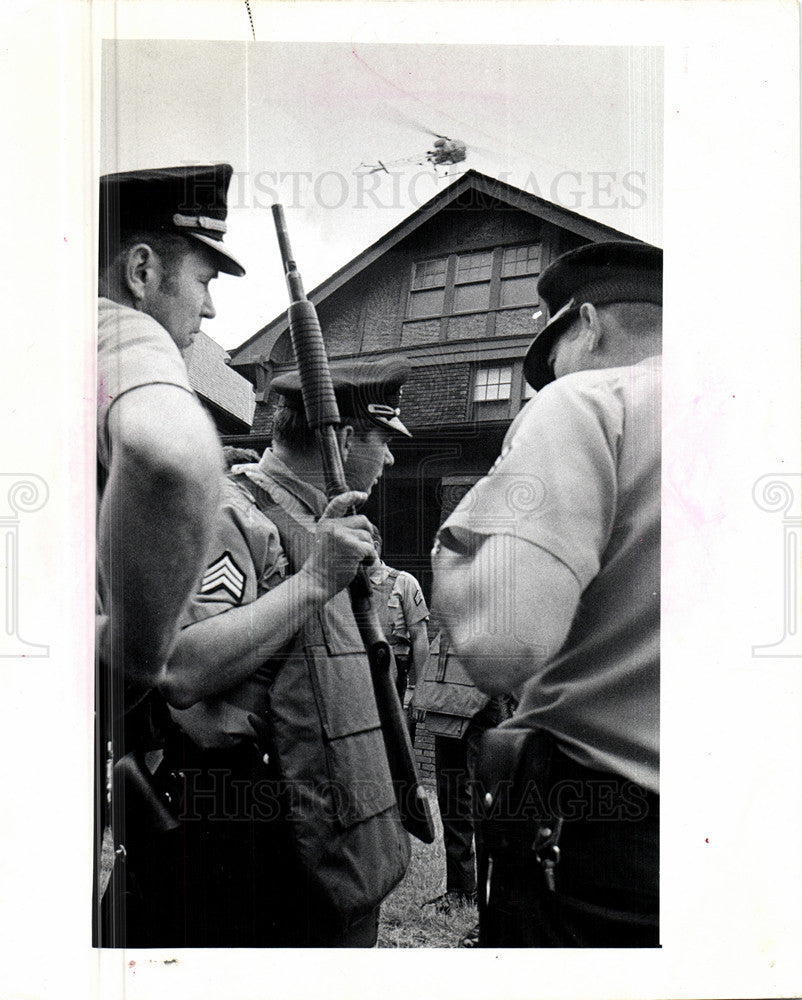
(393, 114)
(491, 154)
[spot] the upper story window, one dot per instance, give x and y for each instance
(427, 294)
(520, 267)
(492, 384)
(504, 278)
(472, 282)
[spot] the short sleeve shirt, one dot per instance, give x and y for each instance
(579, 476)
(405, 603)
(133, 350)
(247, 560)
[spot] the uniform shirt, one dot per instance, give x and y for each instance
(248, 560)
(579, 476)
(405, 605)
(133, 350)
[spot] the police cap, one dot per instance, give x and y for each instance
(190, 201)
(368, 390)
(599, 273)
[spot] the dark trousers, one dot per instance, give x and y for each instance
(455, 764)
(401, 655)
(228, 877)
(603, 892)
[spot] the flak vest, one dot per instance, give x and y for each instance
(327, 746)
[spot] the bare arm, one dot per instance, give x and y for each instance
(508, 606)
(218, 653)
(419, 635)
(155, 520)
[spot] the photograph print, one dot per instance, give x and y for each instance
(379, 462)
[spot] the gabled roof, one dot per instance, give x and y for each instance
(262, 342)
(212, 378)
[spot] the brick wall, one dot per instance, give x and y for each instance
(436, 395)
(424, 754)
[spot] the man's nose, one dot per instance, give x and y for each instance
(388, 456)
(208, 311)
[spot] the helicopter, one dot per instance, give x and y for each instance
(445, 153)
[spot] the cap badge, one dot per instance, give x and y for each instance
(382, 410)
(199, 222)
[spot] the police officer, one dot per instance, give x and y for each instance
(403, 615)
(564, 609)
(159, 460)
(161, 235)
(291, 834)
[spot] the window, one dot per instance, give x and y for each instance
(474, 267)
(472, 282)
(478, 282)
(492, 384)
(427, 295)
(520, 267)
(430, 274)
(425, 303)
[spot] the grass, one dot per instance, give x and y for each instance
(403, 923)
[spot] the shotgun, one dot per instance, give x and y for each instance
(322, 415)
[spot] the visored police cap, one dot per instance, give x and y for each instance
(190, 201)
(368, 390)
(599, 273)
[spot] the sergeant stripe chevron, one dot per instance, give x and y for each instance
(224, 574)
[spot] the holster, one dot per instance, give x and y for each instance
(143, 804)
(143, 808)
(526, 899)
(511, 785)
(401, 655)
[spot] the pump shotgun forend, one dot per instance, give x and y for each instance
(317, 390)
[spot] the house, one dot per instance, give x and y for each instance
(453, 288)
(227, 396)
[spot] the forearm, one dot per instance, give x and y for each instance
(154, 526)
(420, 651)
(216, 654)
(221, 651)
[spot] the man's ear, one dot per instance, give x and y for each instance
(346, 438)
(141, 269)
(591, 326)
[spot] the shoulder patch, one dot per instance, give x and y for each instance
(224, 574)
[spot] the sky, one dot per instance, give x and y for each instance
(575, 125)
